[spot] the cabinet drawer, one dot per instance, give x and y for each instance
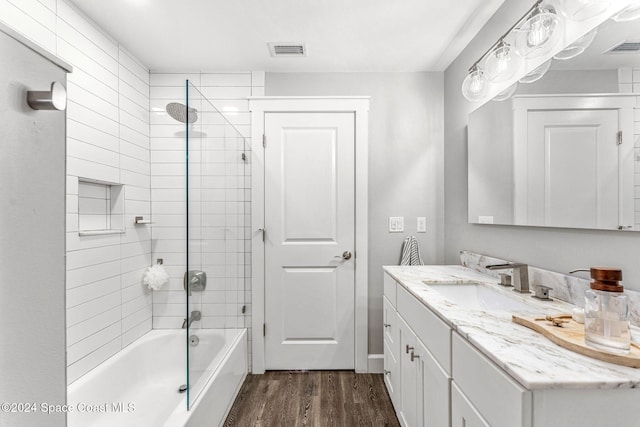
(500, 400)
(463, 414)
(391, 327)
(433, 332)
(390, 289)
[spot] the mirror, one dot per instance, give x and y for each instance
(559, 151)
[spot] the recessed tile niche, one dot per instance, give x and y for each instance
(100, 207)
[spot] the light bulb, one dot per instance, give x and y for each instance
(475, 86)
(502, 63)
(540, 30)
(628, 14)
(539, 33)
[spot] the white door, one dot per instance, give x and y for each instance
(309, 223)
(572, 168)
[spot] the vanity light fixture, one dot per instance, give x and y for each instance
(475, 86)
(536, 74)
(632, 12)
(577, 47)
(535, 33)
(579, 10)
(502, 63)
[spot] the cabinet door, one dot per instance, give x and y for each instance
(433, 390)
(391, 331)
(408, 376)
(391, 352)
(463, 414)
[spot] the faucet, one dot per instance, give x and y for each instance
(195, 315)
(520, 275)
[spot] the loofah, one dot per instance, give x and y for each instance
(155, 277)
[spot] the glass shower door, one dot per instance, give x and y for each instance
(217, 186)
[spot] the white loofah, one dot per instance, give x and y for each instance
(155, 277)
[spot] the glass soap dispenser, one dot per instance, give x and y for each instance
(606, 312)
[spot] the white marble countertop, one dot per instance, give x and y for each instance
(530, 358)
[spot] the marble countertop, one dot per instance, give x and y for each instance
(530, 358)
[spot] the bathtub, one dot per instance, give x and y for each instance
(139, 385)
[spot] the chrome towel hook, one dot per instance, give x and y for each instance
(54, 99)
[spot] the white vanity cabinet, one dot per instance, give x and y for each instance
(418, 383)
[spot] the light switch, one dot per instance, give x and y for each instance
(421, 226)
(396, 224)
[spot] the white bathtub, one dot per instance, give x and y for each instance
(139, 386)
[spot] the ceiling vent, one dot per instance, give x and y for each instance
(288, 49)
(625, 47)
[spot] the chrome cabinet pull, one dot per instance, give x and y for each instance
(408, 349)
(414, 356)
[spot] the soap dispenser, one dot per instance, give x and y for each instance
(606, 310)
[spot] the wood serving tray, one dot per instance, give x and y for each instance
(571, 336)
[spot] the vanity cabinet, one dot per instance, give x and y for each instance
(417, 382)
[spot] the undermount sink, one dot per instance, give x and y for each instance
(476, 296)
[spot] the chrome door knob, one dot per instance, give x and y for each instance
(346, 255)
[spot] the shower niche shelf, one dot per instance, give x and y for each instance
(100, 208)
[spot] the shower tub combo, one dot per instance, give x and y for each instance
(140, 386)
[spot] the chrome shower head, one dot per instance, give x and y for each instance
(179, 112)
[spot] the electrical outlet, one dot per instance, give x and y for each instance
(396, 224)
(421, 224)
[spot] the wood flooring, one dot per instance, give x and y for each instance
(312, 398)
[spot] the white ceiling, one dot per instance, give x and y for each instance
(341, 35)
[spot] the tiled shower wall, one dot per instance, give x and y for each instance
(219, 237)
(107, 140)
(629, 81)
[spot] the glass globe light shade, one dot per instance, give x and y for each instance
(502, 63)
(539, 33)
(475, 86)
(507, 93)
(577, 47)
(628, 14)
(579, 10)
(536, 74)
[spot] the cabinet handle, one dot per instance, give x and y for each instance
(386, 325)
(387, 372)
(413, 356)
(409, 349)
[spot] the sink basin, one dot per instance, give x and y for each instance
(476, 296)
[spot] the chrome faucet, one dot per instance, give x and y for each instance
(195, 315)
(520, 275)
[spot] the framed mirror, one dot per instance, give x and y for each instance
(561, 148)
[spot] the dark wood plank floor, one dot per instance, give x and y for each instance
(312, 398)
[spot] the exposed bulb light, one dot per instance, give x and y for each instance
(579, 10)
(631, 13)
(475, 86)
(507, 93)
(502, 63)
(577, 47)
(537, 73)
(539, 32)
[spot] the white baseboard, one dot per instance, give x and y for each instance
(375, 363)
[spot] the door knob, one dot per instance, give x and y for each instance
(346, 255)
(53, 99)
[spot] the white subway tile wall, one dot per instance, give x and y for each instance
(629, 82)
(107, 140)
(219, 196)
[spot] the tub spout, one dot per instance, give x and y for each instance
(195, 315)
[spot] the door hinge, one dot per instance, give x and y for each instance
(264, 140)
(264, 232)
(619, 137)
(264, 329)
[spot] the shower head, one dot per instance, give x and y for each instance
(179, 112)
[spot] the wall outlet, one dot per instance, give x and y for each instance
(421, 224)
(396, 224)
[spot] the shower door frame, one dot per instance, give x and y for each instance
(360, 107)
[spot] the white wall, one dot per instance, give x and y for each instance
(108, 140)
(219, 194)
(550, 248)
(405, 162)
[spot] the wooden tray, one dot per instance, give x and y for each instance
(571, 336)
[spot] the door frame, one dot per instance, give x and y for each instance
(259, 106)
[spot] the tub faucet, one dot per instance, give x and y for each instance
(520, 275)
(195, 315)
